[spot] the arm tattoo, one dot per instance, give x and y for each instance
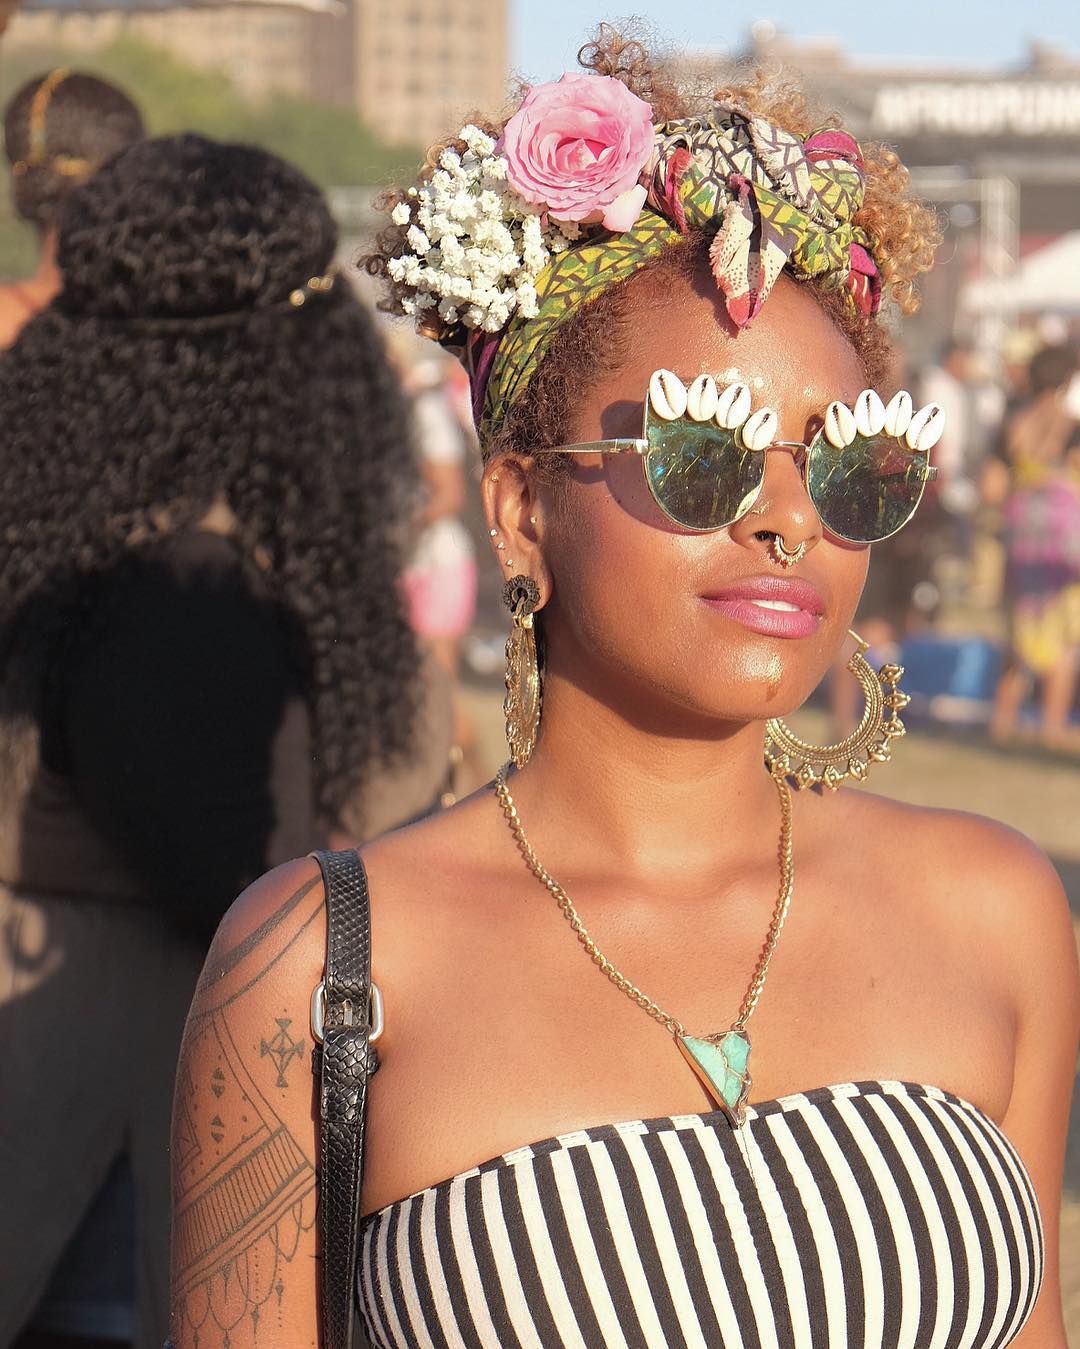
(243, 1189)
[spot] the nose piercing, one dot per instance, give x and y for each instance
(784, 556)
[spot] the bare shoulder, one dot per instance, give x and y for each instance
(434, 861)
(980, 875)
(244, 1124)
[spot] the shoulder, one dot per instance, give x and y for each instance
(270, 944)
(988, 884)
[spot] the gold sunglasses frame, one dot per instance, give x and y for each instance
(640, 446)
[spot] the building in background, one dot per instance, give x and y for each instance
(409, 68)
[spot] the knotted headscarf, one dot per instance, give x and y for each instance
(774, 199)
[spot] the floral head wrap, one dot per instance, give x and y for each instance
(774, 199)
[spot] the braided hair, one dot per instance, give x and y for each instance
(175, 371)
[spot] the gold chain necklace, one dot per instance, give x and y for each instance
(720, 1060)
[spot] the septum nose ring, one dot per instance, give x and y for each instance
(783, 555)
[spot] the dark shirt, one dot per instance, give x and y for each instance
(175, 726)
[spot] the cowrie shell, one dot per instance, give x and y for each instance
(667, 393)
(869, 413)
(926, 428)
(898, 414)
(733, 406)
(760, 431)
(840, 428)
(702, 399)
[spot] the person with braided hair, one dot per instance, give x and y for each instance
(205, 664)
(58, 129)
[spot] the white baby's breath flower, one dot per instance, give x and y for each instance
(418, 240)
(479, 142)
(412, 269)
(460, 288)
(395, 269)
(448, 312)
(494, 167)
(559, 243)
(408, 306)
(425, 300)
(450, 160)
(401, 213)
(525, 295)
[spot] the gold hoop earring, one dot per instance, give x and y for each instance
(521, 595)
(786, 756)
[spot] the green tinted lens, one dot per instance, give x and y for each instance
(867, 491)
(699, 474)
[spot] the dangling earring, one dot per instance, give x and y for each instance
(786, 756)
(521, 595)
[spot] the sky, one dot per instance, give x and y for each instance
(546, 34)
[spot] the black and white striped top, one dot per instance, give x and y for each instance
(868, 1214)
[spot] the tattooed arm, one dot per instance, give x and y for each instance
(244, 1262)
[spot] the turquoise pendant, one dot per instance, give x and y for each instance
(720, 1061)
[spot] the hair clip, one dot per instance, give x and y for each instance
(315, 285)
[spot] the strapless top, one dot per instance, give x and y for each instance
(865, 1214)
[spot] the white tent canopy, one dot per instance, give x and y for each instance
(1047, 280)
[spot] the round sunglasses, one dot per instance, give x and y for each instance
(703, 453)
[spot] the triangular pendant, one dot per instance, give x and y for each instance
(721, 1062)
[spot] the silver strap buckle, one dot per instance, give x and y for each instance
(376, 1019)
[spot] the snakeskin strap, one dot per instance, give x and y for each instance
(345, 1063)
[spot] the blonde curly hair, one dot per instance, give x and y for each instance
(905, 231)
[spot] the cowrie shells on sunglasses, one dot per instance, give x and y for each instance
(759, 431)
(840, 426)
(898, 414)
(667, 395)
(926, 428)
(702, 399)
(733, 406)
(869, 413)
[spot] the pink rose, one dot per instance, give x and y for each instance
(577, 146)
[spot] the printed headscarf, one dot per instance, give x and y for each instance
(776, 201)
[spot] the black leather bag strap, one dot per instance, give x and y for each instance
(341, 1013)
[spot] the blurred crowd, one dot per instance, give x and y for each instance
(239, 595)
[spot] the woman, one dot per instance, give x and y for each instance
(1042, 543)
(58, 129)
(866, 1213)
(205, 664)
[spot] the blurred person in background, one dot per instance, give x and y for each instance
(440, 581)
(1042, 549)
(205, 667)
(58, 129)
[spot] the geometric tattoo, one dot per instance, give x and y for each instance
(282, 1049)
(241, 1210)
(243, 1186)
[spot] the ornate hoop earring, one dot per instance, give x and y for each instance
(786, 756)
(521, 595)
(782, 555)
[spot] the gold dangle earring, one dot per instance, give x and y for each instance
(521, 595)
(786, 756)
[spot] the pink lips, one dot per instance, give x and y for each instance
(774, 606)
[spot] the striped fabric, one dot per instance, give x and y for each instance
(868, 1214)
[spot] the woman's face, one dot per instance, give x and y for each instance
(641, 609)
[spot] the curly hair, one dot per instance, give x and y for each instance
(84, 121)
(172, 374)
(906, 234)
